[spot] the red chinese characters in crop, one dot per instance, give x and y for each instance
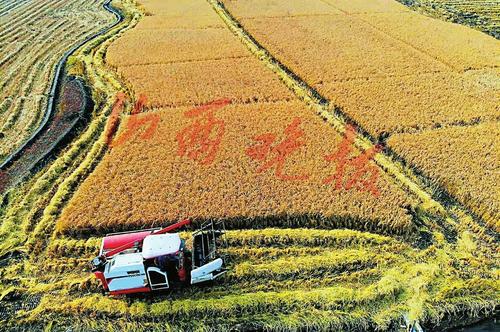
(364, 176)
(135, 122)
(273, 154)
(200, 140)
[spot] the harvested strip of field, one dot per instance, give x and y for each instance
(192, 83)
(150, 182)
(33, 38)
(480, 14)
(273, 237)
(463, 160)
(73, 104)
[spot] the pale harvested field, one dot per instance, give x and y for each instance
(33, 37)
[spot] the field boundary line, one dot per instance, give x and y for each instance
(338, 120)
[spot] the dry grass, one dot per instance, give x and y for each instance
(464, 160)
(243, 80)
(147, 182)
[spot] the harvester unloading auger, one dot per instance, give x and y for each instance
(155, 259)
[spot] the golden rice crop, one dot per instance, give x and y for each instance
(330, 48)
(186, 14)
(412, 103)
(153, 182)
(463, 160)
(408, 80)
(367, 6)
(458, 46)
(242, 80)
(259, 8)
(177, 8)
(150, 23)
(166, 45)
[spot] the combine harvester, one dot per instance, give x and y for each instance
(155, 259)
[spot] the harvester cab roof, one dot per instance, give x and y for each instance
(154, 259)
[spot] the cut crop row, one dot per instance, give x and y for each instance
(302, 267)
(303, 237)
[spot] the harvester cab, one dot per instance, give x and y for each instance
(155, 259)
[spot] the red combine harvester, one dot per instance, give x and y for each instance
(154, 259)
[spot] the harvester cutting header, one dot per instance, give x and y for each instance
(155, 259)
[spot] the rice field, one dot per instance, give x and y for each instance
(464, 160)
(352, 158)
(230, 186)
